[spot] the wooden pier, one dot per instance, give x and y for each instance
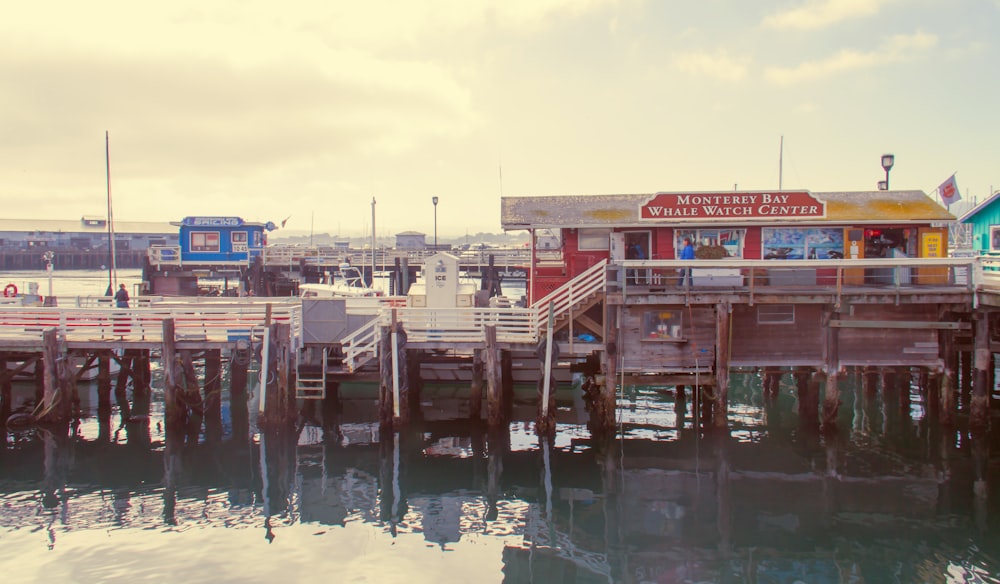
(938, 323)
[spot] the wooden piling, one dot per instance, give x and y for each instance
(807, 386)
(965, 377)
(723, 323)
(401, 375)
(386, 407)
(169, 362)
(831, 354)
(771, 383)
(55, 397)
(606, 403)
(213, 393)
(239, 360)
(494, 383)
(979, 403)
(103, 382)
(476, 385)
(949, 382)
(6, 389)
(279, 406)
(506, 383)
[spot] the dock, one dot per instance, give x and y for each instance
(936, 322)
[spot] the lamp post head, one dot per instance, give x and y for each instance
(434, 200)
(887, 160)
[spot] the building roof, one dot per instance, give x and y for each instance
(623, 210)
(410, 233)
(971, 213)
(78, 226)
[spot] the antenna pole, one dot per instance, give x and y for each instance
(781, 157)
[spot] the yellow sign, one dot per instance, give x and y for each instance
(931, 245)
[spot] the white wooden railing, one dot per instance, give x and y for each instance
(200, 322)
(457, 325)
(561, 300)
(445, 325)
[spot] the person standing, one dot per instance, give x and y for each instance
(687, 253)
(121, 297)
(634, 252)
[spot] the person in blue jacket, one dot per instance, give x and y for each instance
(121, 297)
(687, 253)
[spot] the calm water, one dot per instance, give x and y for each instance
(890, 498)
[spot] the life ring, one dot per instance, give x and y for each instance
(10, 291)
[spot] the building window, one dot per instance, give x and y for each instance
(775, 314)
(205, 241)
(995, 238)
(729, 240)
(800, 244)
(594, 240)
(239, 241)
(662, 325)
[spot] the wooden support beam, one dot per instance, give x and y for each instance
(899, 324)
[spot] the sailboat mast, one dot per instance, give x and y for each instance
(112, 271)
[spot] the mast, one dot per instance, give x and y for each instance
(112, 271)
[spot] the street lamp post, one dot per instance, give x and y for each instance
(435, 201)
(49, 257)
(887, 160)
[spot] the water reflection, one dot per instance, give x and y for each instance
(891, 497)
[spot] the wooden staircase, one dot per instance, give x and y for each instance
(310, 378)
(570, 301)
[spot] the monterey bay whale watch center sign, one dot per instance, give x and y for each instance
(732, 205)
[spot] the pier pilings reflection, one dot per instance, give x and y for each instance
(772, 498)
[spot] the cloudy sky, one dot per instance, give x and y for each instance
(308, 110)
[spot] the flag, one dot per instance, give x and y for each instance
(948, 191)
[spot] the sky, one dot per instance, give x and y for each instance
(304, 112)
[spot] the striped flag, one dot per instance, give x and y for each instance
(948, 191)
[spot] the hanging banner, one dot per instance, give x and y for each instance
(732, 205)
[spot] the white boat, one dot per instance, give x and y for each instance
(347, 282)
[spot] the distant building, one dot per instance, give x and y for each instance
(86, 234)
(411, 240)
(985, 222)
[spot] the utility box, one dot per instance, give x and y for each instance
(327, 321)
(440, 286)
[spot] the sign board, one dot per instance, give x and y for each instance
(731, 206)
(212, 222)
